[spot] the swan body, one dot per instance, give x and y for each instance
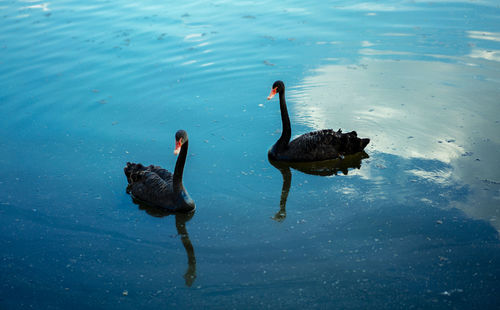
(313, 146)
(158, 187)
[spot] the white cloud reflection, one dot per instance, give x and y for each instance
(484, 35)
(493, 55)
(377, 7)
(372, 52)
(440, 177)
(400, 103)
(398, 6)
(367, 44)
(416, 109)
(44, 7)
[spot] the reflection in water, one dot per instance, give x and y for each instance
(321, 168)
(287, 181)
(419, 109)
(180, 224)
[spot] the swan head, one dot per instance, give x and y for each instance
(181, 137)
(277, 88)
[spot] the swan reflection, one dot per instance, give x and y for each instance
(180, 223)
(321, 168)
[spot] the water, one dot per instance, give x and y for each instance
(87, 86)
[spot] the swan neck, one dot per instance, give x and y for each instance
(179, 167)
(285, 119)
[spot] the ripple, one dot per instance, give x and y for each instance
(89, 85)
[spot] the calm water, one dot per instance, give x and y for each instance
(86, 86)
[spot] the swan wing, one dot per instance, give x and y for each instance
(326, 144)
(150, 187)
(161, 172)
(133, 168)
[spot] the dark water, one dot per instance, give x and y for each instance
(86, 86)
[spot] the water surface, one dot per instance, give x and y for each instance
(87, 86)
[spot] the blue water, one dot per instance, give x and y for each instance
(87, 86)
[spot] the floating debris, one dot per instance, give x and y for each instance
(490, 181)
(453, 291)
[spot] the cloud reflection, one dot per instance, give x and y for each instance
(484, 35)
(43, 6)
(493, 55)
(372, 52)
(378, 7)
(416, 109)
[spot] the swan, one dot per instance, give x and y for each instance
(158, 187)
(312, 146)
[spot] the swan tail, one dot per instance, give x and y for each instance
(350, 143)
(364, 143)
(131, 170)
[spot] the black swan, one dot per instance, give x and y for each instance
(313, 146)
(156, 186)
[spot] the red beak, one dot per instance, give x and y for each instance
(178, 145)
(273, 92)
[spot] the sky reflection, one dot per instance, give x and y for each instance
(416, 109)
(90, 85)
